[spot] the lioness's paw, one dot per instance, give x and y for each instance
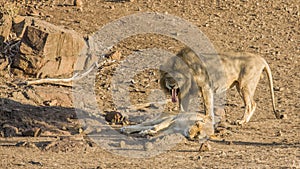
(123, 130)
(148, 132)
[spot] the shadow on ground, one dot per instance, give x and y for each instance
(16, 118)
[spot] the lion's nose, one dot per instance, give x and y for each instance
(172, 86)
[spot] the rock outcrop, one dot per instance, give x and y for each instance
(47, 50)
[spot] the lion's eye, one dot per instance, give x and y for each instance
(179, 79)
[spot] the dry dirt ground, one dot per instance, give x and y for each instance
(268, 28)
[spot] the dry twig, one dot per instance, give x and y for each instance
(66, 81)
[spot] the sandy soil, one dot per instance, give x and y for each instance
(268, 28)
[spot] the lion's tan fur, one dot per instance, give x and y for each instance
(187, 73)
(192, 125)
(241, 70)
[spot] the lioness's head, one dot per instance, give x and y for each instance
(194, 131)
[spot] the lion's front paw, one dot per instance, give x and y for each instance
(240, 122)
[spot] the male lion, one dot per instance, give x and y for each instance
(186, 74)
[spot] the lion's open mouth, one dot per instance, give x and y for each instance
(174, 95)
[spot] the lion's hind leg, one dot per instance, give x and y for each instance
(246, 91)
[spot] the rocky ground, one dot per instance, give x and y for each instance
(39, 125)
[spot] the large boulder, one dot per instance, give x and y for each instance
(47, 50)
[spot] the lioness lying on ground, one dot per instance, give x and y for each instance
(186, 74)
(191, 125)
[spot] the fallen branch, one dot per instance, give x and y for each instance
(10, 49)
(65, 81)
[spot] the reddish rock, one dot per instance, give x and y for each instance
(49, 51)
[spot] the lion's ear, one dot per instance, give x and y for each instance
(161, 72)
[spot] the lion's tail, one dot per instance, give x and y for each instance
(269, 74)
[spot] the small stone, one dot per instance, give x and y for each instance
(115, 55)
(35, 163)
(53, 103)
(148, 146)
(64, 128)
(205, 147)
(98, 130)
(31, 145)
(283, 116)
(50, 102)
(9, 130)
(48, 19)
(278, 89)
(122, 144)
(279, 133)
(80, 130)
(223, 154)
(230, 143)
(35, 132)
(78, 3)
